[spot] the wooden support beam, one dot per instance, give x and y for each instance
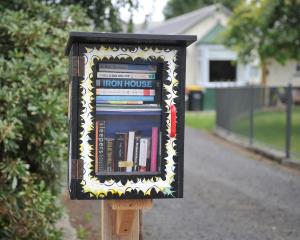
(120, 219)
(125, 221)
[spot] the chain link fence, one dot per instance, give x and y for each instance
(267, 117)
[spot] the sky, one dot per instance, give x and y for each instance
(153, 7)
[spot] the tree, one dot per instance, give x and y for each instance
(268, 29)
(178, 7)
(33, 114)
(105, 13)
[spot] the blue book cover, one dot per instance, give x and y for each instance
(125, 98)
(133, 113)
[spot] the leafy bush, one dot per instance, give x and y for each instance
(33, 106)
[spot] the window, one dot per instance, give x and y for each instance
(222, 71)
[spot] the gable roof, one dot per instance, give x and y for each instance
(180, 24)
(213, 36)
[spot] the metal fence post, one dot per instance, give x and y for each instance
(251, 113)
(288, 124)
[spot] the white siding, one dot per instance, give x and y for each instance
(282, 75)
(192, 62)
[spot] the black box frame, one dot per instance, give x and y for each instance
(75, 49)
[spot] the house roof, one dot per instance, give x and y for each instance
(213, 36)
(180, 24)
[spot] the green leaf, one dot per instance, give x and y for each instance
(14, 183)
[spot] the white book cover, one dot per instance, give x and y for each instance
(125, 91)
(126, 75)
(130, 149)
(126, 70)
(143, 152)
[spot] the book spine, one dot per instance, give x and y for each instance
(124, 98)
(120, 151)
(109, 149)
(126, 70)
(101, 146)
(143, 154)
(159, 151)
(154, 139)
(130, 150)
(136, 153)
(96, 148)
(125, 151)
(121, 102)
(126, 83)
(124, 92)
(114, 67)
(148, 161)
(125, 75)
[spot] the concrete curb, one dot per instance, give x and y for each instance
(272, 154)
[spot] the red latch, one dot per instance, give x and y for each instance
(173, 121)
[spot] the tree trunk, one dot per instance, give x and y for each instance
(264, 74)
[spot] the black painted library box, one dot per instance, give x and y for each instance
(126, 115)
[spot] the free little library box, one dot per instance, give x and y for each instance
(126, 115)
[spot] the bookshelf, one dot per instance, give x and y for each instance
(128, 118)
(126, 115)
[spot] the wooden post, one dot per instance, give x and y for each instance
(120, 219)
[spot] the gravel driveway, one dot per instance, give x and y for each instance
(228, 195)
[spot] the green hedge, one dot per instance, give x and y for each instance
(33, 114)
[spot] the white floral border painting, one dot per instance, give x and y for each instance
(91, 184)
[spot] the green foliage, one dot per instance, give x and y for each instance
(33, 106)
(265, 28)
(82, 233)
(105, 13)
(178, 7)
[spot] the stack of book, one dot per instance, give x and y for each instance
(126, 83)
(127, 151)
(127, 132)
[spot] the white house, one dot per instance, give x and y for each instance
(209, 63)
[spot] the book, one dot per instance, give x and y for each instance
(143, 155)
(101, 146)
(154, 143)
(159, 151)
(150, 107)
(126, 91)
(126, 83)
(125, 75)
(130, 150)
(120, 102)
(109, 150)
(125, 153)
(136, 153)
(121, 140)
(119, 67)
(148, 161)
(108, 108)
(96, 146)
(125, 98)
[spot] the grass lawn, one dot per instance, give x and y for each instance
(201, 120)
(269, 129)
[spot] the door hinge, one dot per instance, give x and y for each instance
(77, 168)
